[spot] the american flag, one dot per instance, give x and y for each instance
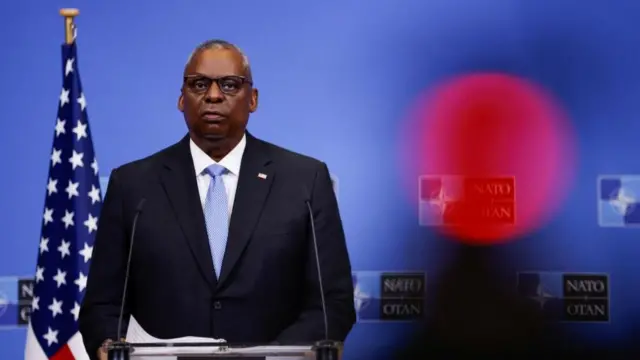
(71, 210)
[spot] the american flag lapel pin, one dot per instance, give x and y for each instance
(262, 176)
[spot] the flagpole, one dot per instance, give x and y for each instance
(69, 14)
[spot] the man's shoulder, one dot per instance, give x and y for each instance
(137, 167)
(281, 155)
(292, 159)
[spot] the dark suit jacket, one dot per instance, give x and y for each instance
(268, 287)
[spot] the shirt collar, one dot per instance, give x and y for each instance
(231, 162)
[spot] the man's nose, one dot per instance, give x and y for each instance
(213, 93)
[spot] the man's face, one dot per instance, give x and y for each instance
(217, 98)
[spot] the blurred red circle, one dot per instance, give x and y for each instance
(496, 155)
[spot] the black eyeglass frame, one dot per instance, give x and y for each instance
(218, 80)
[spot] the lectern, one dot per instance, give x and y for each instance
(323, 350)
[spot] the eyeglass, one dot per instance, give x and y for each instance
(230, 85)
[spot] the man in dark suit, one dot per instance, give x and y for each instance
(223, 245)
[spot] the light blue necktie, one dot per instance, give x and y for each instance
(216, 214)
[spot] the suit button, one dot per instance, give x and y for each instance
(217, 305)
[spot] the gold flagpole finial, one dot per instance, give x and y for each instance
(69, 28)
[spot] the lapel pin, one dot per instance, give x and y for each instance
(262, 176)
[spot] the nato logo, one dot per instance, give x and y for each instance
(442, 196)
(16, 295)
(388, 296)
(568, 297)
(618, 200)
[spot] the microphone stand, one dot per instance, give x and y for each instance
(325, 350)
(119, 350)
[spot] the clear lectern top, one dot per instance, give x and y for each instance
(197, 351)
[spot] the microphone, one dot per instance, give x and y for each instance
(326, 349)
(315, 250)
(119, 350)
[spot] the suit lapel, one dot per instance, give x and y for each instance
(179, 182)
(254, 184)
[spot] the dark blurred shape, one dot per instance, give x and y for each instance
(476, 311)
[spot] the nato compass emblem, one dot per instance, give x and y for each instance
(360, 297)
(618, 200)
(4, 303)
(437, 194)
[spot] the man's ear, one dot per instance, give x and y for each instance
(253, 103)
(181, 103)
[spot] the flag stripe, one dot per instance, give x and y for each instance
(77, 347)
(63, 354)
(72, 206)
(33, 350)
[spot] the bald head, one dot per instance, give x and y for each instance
(217, 96)
(217, 44)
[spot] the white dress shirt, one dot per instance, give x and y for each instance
(231, 162)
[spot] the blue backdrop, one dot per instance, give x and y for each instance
(336, 78)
